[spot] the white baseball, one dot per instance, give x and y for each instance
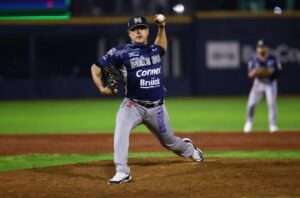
(160, 18)
(277, 10)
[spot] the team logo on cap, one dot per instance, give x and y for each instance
(137, 20)
(260, 42)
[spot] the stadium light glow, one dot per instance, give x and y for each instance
(179, 8)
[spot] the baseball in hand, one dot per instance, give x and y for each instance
(160, 18)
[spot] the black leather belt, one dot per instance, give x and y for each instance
(148, 105)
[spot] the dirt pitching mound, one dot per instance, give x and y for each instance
(173, 177)
(165, 178)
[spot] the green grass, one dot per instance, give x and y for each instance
(98, 116)
(10, 163)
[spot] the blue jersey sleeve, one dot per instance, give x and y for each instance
(112, 57)
(161, 50)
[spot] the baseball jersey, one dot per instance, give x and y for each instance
(271, 63)
(141, 66)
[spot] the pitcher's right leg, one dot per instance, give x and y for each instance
(128, 117)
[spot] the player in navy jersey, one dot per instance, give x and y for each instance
(264, 68)
(140, 63)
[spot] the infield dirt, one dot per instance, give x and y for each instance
(167, 177)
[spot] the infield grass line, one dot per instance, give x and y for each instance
(98, 116)
(19, 162)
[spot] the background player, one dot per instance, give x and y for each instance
(264, 69)
(141, 65)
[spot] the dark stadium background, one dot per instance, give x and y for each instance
(49, 54)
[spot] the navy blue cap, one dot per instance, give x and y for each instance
(137, 21)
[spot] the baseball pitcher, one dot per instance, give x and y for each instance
(264, 69)
(139, 63)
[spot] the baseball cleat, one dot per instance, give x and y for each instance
(273, 128)
(120, 178)
(197, 155)
(248, 127)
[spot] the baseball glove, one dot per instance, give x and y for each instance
(260, 72)
(111, 77)
(263, 72)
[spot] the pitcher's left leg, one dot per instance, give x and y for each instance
(158, 122)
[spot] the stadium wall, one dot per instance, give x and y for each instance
(207, 54)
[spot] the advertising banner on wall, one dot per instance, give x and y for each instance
(222, 54)
(226, 45)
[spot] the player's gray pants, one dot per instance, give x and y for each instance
(130, 115)
(257, 91)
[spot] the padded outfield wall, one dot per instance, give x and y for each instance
(207, 53)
